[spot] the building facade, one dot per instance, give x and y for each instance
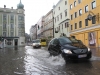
(48, 25)
(12, 26)
(85, 21)
(33, 32)
(40, 28)
(61, 18)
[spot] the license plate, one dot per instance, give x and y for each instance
(82, 56)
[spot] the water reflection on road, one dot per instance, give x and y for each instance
(29, 61)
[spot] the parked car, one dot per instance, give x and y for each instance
(69, 48)
(36, 43)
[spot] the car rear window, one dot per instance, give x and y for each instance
(43, 40)
(36, 41)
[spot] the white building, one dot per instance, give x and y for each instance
(33, 32)
(48, 25)
(61, 18)
(12, 26)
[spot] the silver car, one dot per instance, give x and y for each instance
(36, 43)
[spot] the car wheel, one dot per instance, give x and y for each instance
(50, 51)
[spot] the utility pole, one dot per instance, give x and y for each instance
(36, 31)
(53, 27)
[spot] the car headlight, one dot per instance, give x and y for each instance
(67, 51)
(33, 44)
(89, 49)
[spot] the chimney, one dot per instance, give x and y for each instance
(4, 6)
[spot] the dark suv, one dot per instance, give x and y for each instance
(69, 47)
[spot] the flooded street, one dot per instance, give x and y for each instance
(29, 61)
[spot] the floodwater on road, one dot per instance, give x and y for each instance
(29, 61)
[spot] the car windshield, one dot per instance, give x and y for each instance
(64, 40)
(36, 41)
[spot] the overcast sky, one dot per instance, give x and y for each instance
(34, 9)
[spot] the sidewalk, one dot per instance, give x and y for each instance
(96, 51)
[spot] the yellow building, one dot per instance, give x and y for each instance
(85, 21)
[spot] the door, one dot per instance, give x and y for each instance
(56, 46)
(50, 46)
(92, 39)
(16, 42)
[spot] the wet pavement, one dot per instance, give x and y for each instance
(29, 61)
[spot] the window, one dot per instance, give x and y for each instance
(4, 16)
(19, 26)
(65, 2)
(22, 33)
(86, 8)
(71, 17)
(71, 27)
(79, 1)
(20, 18)
(61, 16)
(80, 24)
(19, 33)
(75, 14)
(51, 42)
(74, 3)
(56, 42)
(59, 8)
(93, 20)
(70, 6)
(22, 25)
(64, 40)
(93, 4)
(59, 27)
(12, 34)
(4, 33)
(65, 13)
(86, 22)
(12, 26)
(4, 26)
(12, 17)
(75, 25)
(67, 23)
(80, 12)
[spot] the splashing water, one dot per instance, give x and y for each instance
(45, 56)
(39, 62)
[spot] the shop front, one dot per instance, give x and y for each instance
(10, 41)
(91, 38)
